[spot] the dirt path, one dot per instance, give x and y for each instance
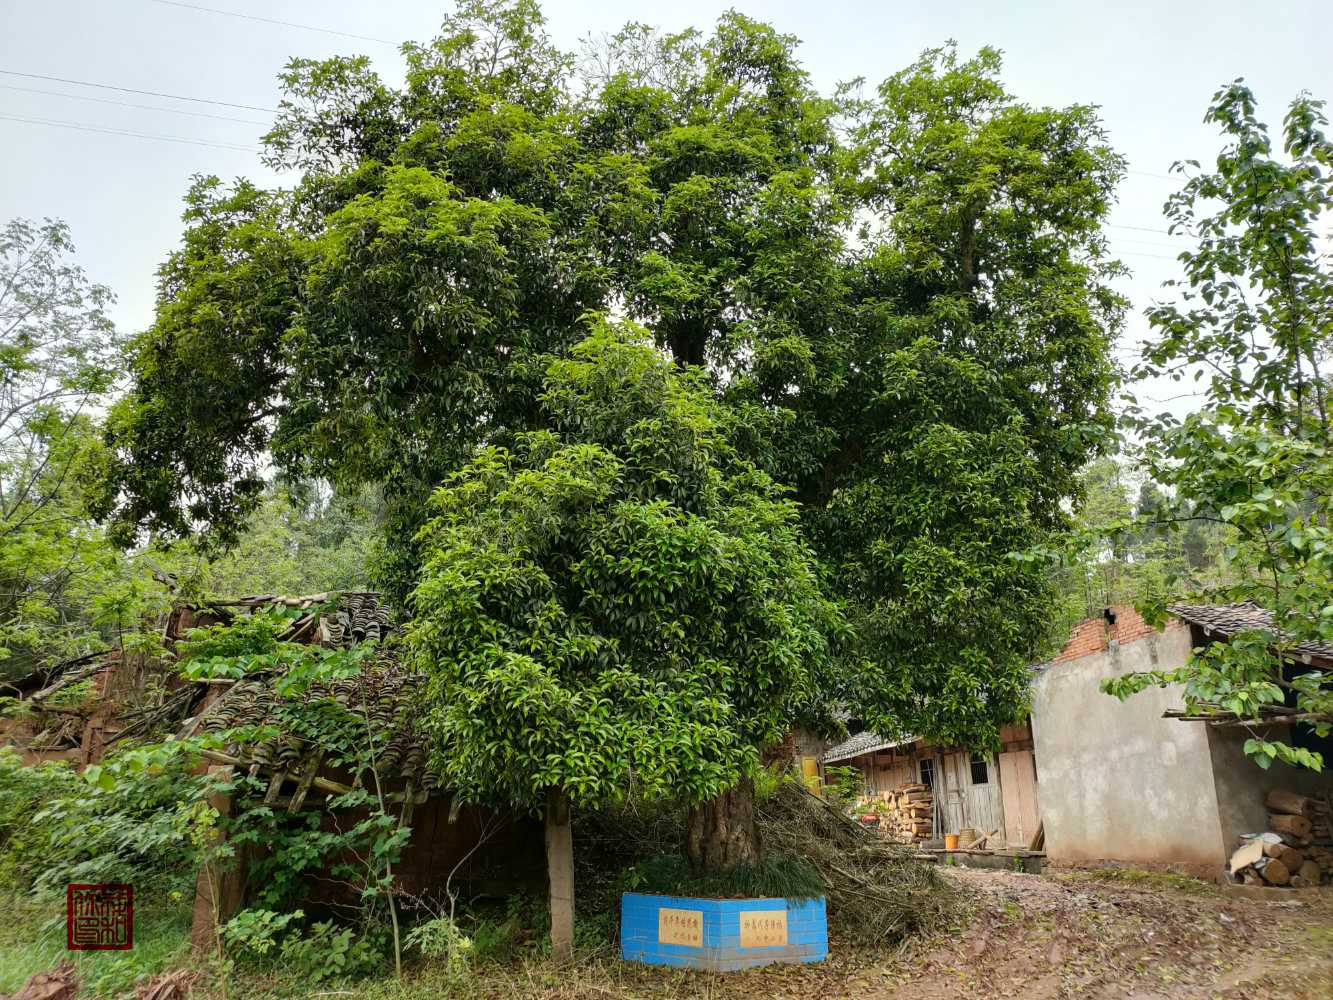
(1040, 937)
(1140, 938)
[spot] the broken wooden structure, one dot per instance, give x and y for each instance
(451, 844)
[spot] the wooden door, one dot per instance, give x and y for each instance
(951, 792)
(971, 794)
(1022, 811)
(985, 812)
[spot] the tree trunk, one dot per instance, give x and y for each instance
(560, 871)
(722, 832)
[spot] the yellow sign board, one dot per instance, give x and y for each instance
(681, 927)
(763, 928)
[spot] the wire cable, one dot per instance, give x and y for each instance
(129, 90)
(127, 104)
(271, 20)
(1146, 229)
(84, 127)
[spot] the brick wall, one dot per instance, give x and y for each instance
(1092, 635)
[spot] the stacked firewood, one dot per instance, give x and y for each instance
(906, 814)
(1294, 851)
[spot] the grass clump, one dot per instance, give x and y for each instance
(1152, 880)
(772, 876)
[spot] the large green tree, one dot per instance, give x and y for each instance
(61, 584)
(902, 299)
(618, 602)
(1254, 325)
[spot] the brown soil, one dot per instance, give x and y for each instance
(1132, 936)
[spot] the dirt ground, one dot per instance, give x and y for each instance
(1123, 936)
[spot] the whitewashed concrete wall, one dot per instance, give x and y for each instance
(1119, 782)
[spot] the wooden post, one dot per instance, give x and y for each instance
(229, 883)
(560, 871)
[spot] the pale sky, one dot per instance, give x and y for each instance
(1150, 67)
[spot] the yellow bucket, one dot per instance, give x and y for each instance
(951, 841)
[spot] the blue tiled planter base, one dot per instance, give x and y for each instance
(713, 929)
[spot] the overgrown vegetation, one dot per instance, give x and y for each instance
(856, 398)
(1254, 325)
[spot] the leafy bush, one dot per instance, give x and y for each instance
(253, 934)
(327, 952)
(441, 938)
(57, 826)
(845, 785)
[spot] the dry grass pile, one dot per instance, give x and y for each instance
(877, 891)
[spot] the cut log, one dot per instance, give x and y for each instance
(1310, 871)
(1276, 873)
(1280, 800)
(1297, 826)
(1250, 877)
(1293, 858)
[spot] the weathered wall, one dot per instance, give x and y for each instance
(1117, 781)
(1242, 785)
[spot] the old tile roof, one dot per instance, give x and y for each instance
(866, 742)
(1229, 620)
(386, 693)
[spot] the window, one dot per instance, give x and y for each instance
(928, 772)
(980, 772)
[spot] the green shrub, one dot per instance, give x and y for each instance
(57, 826)
(442, 939)
(327, 952)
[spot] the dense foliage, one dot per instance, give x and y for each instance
(1254, 324)
(1121, 553)
(902, 298)
(619, 600)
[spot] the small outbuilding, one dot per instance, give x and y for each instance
(1105, 781)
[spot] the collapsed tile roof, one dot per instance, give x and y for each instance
(1228, 620)
(385, 691)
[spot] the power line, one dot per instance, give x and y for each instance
(129, 90)
(1136, 253)
(270, 20)
(1146, 243)
(1146, 229)
(127, 104)
(84, 127)
(1146, 173)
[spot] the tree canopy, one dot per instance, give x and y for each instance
(618, 599)
(902, 300)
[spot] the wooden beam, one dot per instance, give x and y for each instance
(307, 779)
(323, 784)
